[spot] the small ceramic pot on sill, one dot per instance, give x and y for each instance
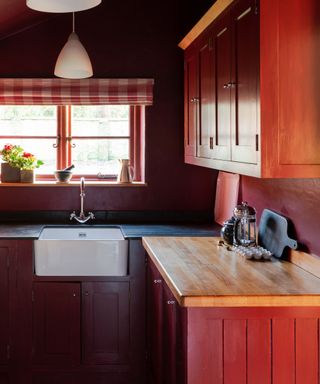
(9, 174)
(26, 175)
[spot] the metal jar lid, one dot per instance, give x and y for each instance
(243, 210)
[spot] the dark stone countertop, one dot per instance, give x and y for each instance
(130, 231)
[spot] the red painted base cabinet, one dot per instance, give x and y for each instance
(166, 327)
(70, 330)
(253, 345)
(91, 330)
(4, 303)
(15, 310)
(229, 345)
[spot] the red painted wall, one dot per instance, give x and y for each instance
(299, 200)
(132, 39)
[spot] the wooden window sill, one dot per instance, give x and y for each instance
(75, 184)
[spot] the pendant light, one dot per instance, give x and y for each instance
(73, 61)
(61, 6)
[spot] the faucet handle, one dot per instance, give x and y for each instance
(91, 215)
(72, 215)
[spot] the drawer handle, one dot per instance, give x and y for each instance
(171, 302)
(157, 281)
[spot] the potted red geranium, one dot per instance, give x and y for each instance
(18, 165)
(27, 163)
(10, 170)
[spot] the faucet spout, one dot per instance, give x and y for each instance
(82, 218)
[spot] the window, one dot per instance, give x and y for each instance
(92, 137)
(88, 122)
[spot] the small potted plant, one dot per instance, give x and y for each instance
(18, 165)
(27, 162)
(10, 169)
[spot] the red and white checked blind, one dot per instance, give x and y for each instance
(76, 92)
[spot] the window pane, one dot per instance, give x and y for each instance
(100, 120)
(93, 156)
(41, 148)
(28, 120)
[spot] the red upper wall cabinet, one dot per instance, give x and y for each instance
(252, 88)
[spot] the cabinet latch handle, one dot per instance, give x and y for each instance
(228, 85)
(157, 281)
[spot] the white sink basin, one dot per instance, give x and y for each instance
(81, 251)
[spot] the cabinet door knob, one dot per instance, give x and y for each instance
(157, 281)
(228, 85)
(86, 293)
(194, 99)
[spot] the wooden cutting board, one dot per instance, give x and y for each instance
(226, 196)
(273, 233)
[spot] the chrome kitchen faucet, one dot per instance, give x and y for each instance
(82, 218)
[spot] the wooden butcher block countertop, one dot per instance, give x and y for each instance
(201, 273)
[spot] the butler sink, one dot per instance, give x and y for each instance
(81, 251)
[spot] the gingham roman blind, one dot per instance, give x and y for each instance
(76, 92)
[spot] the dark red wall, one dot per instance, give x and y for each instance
(297, 199)
(124, 39)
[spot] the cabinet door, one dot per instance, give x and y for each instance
(207, 101)
(56, 323)
(169, 337)
(105, 315)
(154, 323)
(245, 77)
(4, 302)
(222, 49)
(191, 100)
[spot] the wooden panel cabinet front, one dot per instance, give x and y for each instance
(154, 324)
(253, 345)
(223, 87)
(191, 99)
(15, 308)
(4, 303)
(105, 325)
(56, 324)
(270, 95)
(226, 73)
(245, 77)
(166, 332)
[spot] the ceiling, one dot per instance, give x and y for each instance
(15, 16)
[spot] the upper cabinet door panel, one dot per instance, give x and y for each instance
(245, 77)
(191, 98)
(207, 101)
(299, 86)
(222, 48)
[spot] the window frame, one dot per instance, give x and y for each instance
(64, 138)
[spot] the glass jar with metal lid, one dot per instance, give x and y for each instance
(245, 225)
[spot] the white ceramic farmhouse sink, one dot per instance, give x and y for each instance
(81, 251)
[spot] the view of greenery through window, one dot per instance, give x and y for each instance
(100, 154)
(100, 135)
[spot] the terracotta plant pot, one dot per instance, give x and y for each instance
(26, 176)
(9, 174)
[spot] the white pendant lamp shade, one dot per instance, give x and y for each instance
(61, 6)
(73, 61)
